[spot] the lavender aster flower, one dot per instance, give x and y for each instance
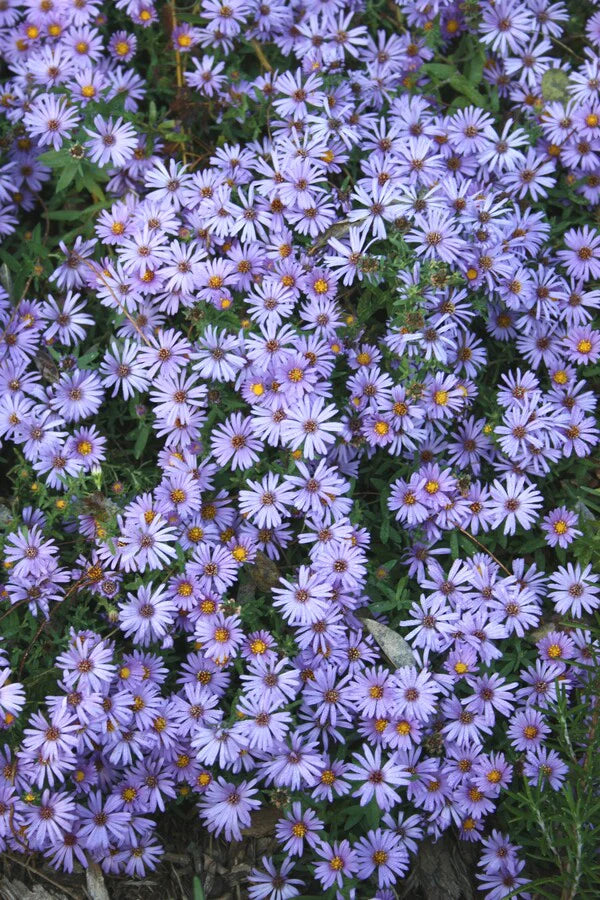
(226, 808)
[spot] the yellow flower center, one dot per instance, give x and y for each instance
(84, 448)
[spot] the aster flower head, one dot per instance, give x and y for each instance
(266, 502)
(560, 527)
(226, 808)
(379, 779)
(51, 120)
(574, 590)
(112, 142)
(272, 882)
(147, 615)
(298, 826)
(339, 861)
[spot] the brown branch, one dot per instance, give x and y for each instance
(483, 547)
(56, 884)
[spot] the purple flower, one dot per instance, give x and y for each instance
(66, 322)
(583, 344)
(582, 256)
(339, 860)
(12, 696)
(498, 854)
(27, 552)
(77, 396)
(54, 739)
(573, 590)
(221, 636)
(147, 615)
(303, 601)
(112, 142)
(266, 502)
(380, 851)
(226, 808)
(234, 442)
(308, 426)
(527, 730)
(47, 822)
(545, 765)
(379, 779)
(262, 726)
(491, 695)
(297, 827)
(559, 526)
(504, 882)
(146, 544)
(87, 663)
(51, 119)
(102, 821)
(514, 503)
(415, 693)
(273, 883)
(437, 236)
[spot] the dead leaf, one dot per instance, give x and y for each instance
(393, 645)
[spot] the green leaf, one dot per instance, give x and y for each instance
(141, 440)
(56, 159)
(73, 215)
(354, 814)
(198, 889)
(67, 175)
(461, 84)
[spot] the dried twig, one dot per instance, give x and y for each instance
(39, 874)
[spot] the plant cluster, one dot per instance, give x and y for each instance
(298, 375)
